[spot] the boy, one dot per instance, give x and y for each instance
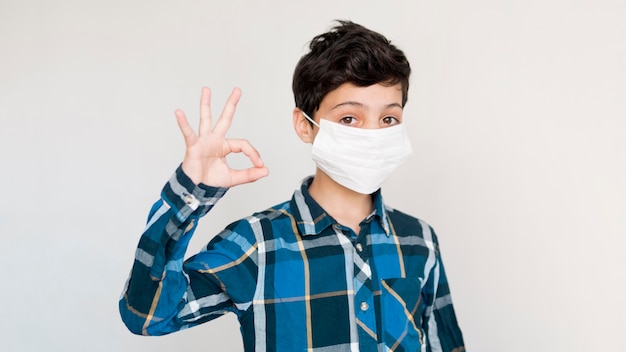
(333, 269)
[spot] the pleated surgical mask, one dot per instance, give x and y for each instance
(357, 158)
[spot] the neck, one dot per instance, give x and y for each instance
(346, 206)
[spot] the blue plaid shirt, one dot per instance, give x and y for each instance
(296, 279)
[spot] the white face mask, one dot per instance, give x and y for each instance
(357, 158)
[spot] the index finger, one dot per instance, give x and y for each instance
(226, 118)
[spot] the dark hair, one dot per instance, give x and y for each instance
(348, 53)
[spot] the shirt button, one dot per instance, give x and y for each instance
(359, 247)
(364, 306)
(189, 199)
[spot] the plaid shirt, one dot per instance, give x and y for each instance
(296, 279)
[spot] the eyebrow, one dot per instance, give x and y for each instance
(354, 103)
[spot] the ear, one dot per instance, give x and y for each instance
(303, 127)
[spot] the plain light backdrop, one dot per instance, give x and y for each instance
(517, 113)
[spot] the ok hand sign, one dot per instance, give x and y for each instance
(206, 151)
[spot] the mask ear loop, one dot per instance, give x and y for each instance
(310, 119)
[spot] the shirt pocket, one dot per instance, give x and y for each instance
(402, 307)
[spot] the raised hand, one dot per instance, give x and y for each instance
(205, 156)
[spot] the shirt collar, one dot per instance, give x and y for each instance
(311, 218)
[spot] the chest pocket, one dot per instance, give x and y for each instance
(402, 307)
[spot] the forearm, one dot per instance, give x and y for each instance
(155, 291)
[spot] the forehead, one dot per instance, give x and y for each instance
(374, 96)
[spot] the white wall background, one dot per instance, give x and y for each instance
(517, 112)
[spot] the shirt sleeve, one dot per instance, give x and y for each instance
(164, 293)
(439, 321)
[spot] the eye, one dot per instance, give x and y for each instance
(390, 120)
(347, 120)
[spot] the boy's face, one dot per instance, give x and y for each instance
(375, 106)
(342, 152)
